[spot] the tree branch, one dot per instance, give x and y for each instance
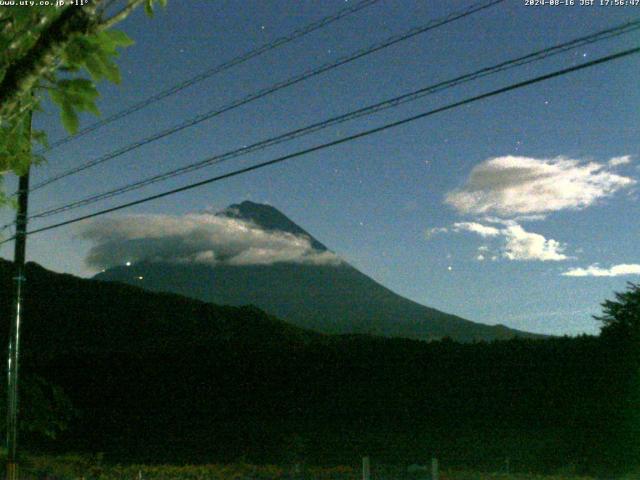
(121, 15)
(22, 75)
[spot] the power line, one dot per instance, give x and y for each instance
(535, 56)
(300, 32)
(432, 24)
(621, 29)
(272, 89)
(323, 146)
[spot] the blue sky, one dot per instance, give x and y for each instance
(520, 209)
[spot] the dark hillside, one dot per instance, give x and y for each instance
(162, 378)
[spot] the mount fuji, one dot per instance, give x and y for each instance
(327, 297)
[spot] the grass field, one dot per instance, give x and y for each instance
(85, 468)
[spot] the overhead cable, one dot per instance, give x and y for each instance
(499, 91)
(539, 55)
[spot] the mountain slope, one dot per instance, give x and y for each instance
(325, 298)
(67, 314)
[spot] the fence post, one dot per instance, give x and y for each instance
(366, 468)
(434, 469)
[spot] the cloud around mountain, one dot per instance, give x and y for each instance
(509, 186)
(195, 238)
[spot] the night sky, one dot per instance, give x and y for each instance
(520, 209)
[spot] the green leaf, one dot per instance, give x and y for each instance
(94, 52)
(95, 67)
(76, 51)
(148, 7)
(56, 96)
(77, 84)
(110, 70)
(22, 162)
(81, 87)
(76, 94)
(69, 118)
(119, 38)
(40, 136)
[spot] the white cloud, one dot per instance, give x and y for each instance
(474, 227)
(430, 232)
(523, 245)
(198, 238)
(518, 244)
(623, 160)
(517, 218)
(596, 271)
(510, 186)
(480, 257)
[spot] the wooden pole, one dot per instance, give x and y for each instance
(13, 355)
(434, 469)
(366, 468)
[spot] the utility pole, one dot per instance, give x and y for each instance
(14, 329)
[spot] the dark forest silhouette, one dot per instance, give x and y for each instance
(160, 378)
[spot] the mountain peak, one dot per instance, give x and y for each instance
(268, 218)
